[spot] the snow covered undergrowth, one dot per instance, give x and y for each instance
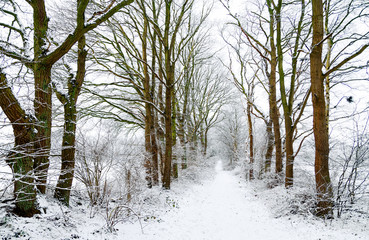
(80, 221)
(219, 205)
(229, 208)
(291, 208)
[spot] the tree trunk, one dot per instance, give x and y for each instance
(273, 95)
(42, 101)
(169, 90)
(251, 141)
(154, 154)
(269, 151)
(147, 163)
(205, 150)
(65, 180)
(68, 158)
(182, 141)
(184, 118)
(168, 129)
(322, 178)
(154, 122)
(288, 103)
(275, 116)
(20, 159)
(174, 137)
(328, 62)
(289, 151)
(160, 124)
(42, 106)
(148, 108)
(21, 162)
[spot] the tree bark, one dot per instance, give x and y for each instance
(251, 141)
(206, 131)
(181, 137)
(42, 106)
(322, 177)
(328, 61)
(161, 120)
(275, 115)
(154, 122)
(148, 109)
(168, 126)
(43, 91)
(174, 136)
(20, 159)
(286, 109)
(169, 68)
(270, 146)
(289, 150)
(65, 180)
(182, 120)
(273, 95)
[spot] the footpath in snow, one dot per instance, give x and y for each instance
(224, 208)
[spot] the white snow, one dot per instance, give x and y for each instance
(226, 208)
(221, 207)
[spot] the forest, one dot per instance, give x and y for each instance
(122, 106)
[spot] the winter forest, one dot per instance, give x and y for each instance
(184, 119)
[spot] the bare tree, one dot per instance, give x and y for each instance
(270, 57)
(45, 55)
(322, 176)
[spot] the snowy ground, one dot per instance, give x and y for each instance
(225, 208)
(221, 207)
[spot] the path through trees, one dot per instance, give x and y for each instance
(225, 208)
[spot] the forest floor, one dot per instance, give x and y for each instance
(225, 207)
(221, 206)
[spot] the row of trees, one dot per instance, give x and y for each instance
(152, 68)
(160, 78)
(293, 59)
(29, 159)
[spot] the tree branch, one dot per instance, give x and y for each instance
(79, 32)
(10, 104)
(346, 60)
(27, 62)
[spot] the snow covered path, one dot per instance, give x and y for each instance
(224, 209)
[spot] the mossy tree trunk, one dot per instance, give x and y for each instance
(168, 41)
(270, 146)
(274, 112)
(174, 136)
(65, 180)
(43, 91)
(288, 97)
(20, 159)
